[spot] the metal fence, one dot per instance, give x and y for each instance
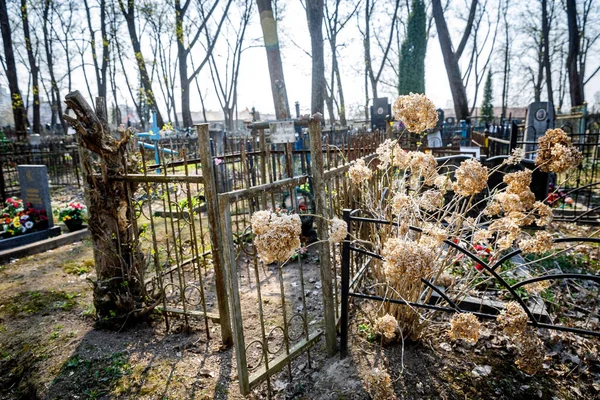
(60, 157)
(555, 309)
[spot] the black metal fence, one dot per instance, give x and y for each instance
(562, 318)
(60, 157)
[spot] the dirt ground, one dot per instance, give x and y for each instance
(50, 349)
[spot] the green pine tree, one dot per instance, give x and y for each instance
(487, 108)
(412, 53)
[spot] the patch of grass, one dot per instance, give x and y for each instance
(34, 302)
(97, 376)
(78, 267)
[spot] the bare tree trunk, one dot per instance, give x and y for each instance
(546, 39)
(57, 107)
(36, 128)
(119, 291)
(314, 14)
(451, 57)
(269, 29)
(129, 14)
(506, 70)
(575, 77)
(19, 113)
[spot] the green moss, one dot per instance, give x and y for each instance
(34, 302)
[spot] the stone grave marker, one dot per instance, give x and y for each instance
(540, 118)
(35, 189)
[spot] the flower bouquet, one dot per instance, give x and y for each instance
(18, 219)
(73, 215)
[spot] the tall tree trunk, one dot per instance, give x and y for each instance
(18, 108)
(269, 29)
(314, 14)
(57, 106)
(451, 57)
(129, 14)
(546, 55)
(506, 70)
(575, 76)
(36, 128)
(184, 82)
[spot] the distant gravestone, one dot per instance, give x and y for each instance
(33, 180)
(540, 118)
(282, 132)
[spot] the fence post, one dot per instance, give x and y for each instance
(212, 211)
(514, 130)
(345, 288)
(316, 150)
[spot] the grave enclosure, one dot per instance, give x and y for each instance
(192, 226)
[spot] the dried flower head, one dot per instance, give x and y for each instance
(416, 112)
(556, 152)
(443, 183)
(337, 230)
(402, 204)
(516, 157)
(436, 232)
(406, 260)
(465, 326)
(386, 326)
(277, 237)
(423, 165)
(543, 212)
(481, 236)
(379, 384)
(531, 352)
(431, 200)
(513, 319)
(540, 243)
(471, 178)
(359, 172)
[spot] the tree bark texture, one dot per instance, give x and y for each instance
(269, 29)
(459, 93)
(119, 291)
(546, 55)
(129, 14)
(314, 14)
(54, 90)
(575, 75)
(11, 72)
(33, 66)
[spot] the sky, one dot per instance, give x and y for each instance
(254, 84)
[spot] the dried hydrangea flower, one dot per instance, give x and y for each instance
(386, 326)
(416, 112)
(471, 178)
(431, 200)
(481, 236)
(359, 172)
(402, 204)
(516, 157)
(423, 165)
(277, 237)
(556, 152)
(379, 384)
(405, 259)
(543, 212)
(540, 243)
(513, 319)
(337, 230)
(531, 352)
(443, 183)
(384, 153)
(465, 326)
(437, 233)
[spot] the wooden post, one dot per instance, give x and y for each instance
(314, 129)
(212, 210)
(230, 268)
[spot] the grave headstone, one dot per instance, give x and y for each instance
(540, 118)
(35, 189)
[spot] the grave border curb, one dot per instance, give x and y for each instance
(42, 245)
